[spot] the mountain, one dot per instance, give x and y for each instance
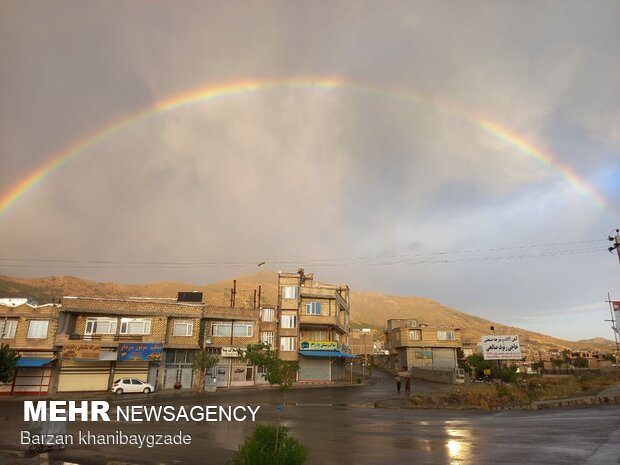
(367, 308)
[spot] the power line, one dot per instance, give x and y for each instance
(377, 261)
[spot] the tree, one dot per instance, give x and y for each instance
(202, 362)
(8, 363)
(581, 362)
(258, 449)
(478, 364)
(610, 357)
(278, 372)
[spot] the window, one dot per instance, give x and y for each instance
(220, 328)
(315, 335)
(135, 326)
(290, 292)
(313, 308)
(38, 329)
(243, 329)
(415, 335)
(288, 344)
(288, 321)
(7, 329)
(267, 337)
(445, 335)
(183, 328)
(100, 326)
(267, 314)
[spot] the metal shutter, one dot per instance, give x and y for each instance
(314, 369)
(444, 359)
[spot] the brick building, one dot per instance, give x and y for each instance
(30, 330)
(101, 340)
(417, 345)
(313, 326)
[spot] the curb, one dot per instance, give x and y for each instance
(540, 405)
(172, 393)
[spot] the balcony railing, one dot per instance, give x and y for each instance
(99, 337)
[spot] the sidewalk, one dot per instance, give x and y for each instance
(608, 396)
(94, 395)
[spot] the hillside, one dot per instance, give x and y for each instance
(367, 308)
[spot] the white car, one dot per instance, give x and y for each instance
(131, 385)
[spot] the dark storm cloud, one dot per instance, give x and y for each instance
(307, 174)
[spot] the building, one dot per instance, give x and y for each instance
(362, 342)
(30, 330)
(417, 345)
(226, 331)
(313, 326)
(101, 340)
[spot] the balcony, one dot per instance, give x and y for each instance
(105, 340)
(320, 320)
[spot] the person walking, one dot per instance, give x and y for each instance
(408, 386)
(398, 380)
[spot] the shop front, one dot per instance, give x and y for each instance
(321, 361)
(234, 369)
(178, 369)
(33, 374)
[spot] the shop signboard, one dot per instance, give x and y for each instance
(80, 351)
(319, 345)
(140, 351)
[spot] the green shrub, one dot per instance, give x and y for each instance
(260, 448)
(506, 374)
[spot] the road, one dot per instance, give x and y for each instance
(336, 428)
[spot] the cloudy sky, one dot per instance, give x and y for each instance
(436, 164)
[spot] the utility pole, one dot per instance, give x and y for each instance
(614, 324)
(616, 240)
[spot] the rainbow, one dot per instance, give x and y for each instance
(202, 94)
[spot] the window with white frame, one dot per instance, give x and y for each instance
(445, 335)
(288, 344)
(267, 314)
(243, 329)
(415, 335)
(7, 329)
(221, 328)
(267, 337)
(135, 326)
(313, 308)
(38, 329)
(290, 292)
(288, 320)
(183, 328)
(315, 335)
(100, 326)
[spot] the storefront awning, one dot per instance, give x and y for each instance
(32, 362)
(325, 353)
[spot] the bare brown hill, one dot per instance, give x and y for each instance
(367, 308)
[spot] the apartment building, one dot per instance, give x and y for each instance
(226, 331)
(30, 330)
(313, 326)
(101, 340)
(411, 344)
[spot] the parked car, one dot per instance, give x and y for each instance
(123, 385)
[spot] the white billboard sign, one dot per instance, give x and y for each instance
(501, 347)
(231, 352)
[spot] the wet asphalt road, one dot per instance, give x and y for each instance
(333, 424)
